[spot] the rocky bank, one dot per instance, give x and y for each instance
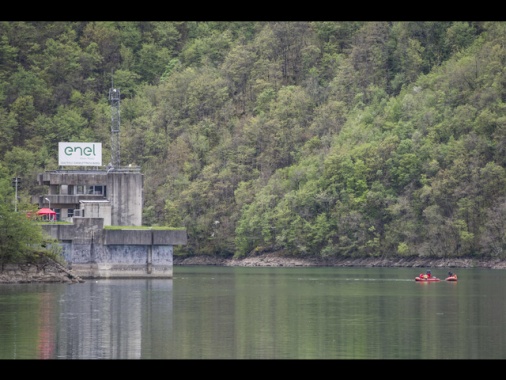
(46, 271)
(278, 260)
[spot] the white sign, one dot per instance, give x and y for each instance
(79, 154)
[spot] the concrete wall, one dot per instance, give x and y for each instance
(93, 252)
(145, 237)
(125, 192)
(97, 209)
(68, 178)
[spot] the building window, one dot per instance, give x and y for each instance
(80, 189)
(70, 213)
(96, 189)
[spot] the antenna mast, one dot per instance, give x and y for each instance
(114, 98)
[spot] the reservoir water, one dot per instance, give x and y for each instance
(208, 312)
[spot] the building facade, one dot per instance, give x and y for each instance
(90, 201)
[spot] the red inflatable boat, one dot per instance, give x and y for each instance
(430, 279)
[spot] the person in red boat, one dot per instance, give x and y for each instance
(425, 275)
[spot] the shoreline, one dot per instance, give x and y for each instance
(54, 272)
(278, 260)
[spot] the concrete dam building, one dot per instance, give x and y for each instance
(104, 237)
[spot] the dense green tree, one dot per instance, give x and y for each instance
(319, 138)
(21, 239)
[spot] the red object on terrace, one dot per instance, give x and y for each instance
(47, 213)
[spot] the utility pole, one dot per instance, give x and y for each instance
(15, 182)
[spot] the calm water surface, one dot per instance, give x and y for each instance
(260, 313)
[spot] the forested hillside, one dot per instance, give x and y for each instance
(351, 139)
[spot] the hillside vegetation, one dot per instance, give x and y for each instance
(323, 139)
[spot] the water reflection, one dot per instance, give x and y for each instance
(113, 318)
(105, 319)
